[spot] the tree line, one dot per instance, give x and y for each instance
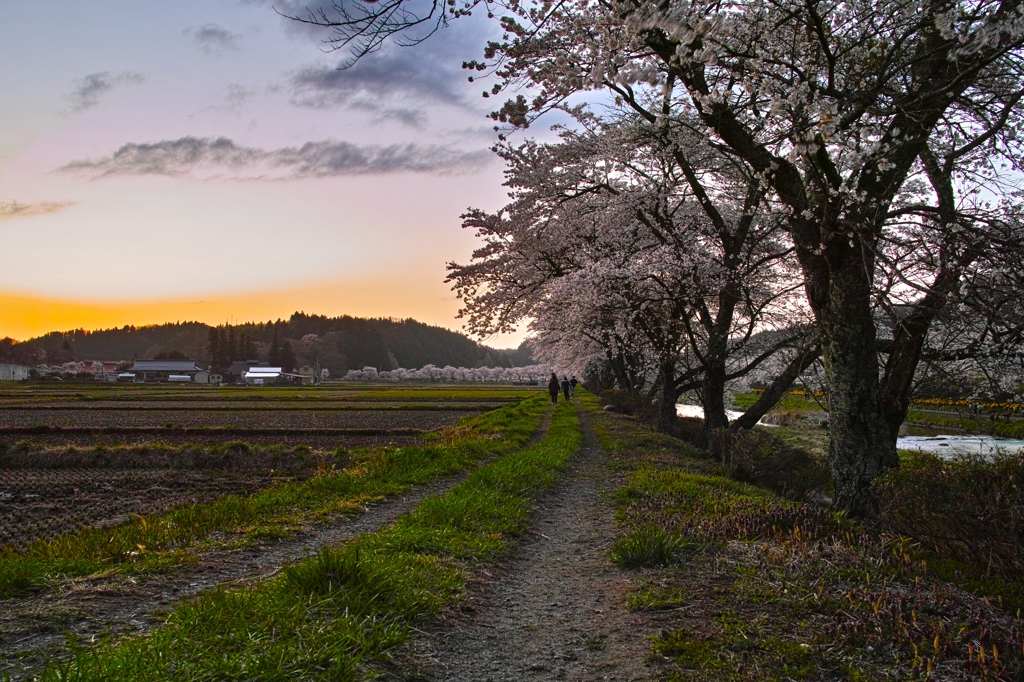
(340, 343)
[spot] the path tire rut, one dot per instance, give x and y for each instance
(556, 610)
(35, 629)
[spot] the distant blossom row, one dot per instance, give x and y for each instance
(449, 374)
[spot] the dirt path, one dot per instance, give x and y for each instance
(34, 630)
(556, 610)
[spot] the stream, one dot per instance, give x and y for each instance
(950, 447)
(945, 446)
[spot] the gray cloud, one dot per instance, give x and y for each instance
(235, 98)
(91, 89)
(403, 74)
(191, 155)
(297, 8)
(414, 118)
(237, 95)
(12, 209)
(396, 83)
(395, 86)
(213, 39)
(411, 78)
(171, 157)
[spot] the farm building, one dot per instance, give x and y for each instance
(308, 374)
(236, 372)
(265, 376)
(10, 372)
(183, 371)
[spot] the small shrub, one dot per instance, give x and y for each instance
(688, 429)
(707, 509)
(759, 457)
(647, 547)
(629, 402)
(969, 509)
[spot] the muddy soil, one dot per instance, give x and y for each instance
(556, 610)
(37, 504)
(36, 629)
(254, 405)
(319, 430)
(324, 439)
(252, 419)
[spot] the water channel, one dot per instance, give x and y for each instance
(923, 440)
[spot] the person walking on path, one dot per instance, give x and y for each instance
(572, 383)
(553, 388)
(566, 387)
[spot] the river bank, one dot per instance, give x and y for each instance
(932, 439)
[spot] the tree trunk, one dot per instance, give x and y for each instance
(859, 444)
(667, 400)
(715, 419)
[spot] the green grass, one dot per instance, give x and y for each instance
(778, 590)
(334, 615)
(153, 542)
(647, 547)
(742, 401)
(1001, 429)
(652, 595)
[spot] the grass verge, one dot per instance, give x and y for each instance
(983, 424)
(331, 616)
(799, 403)
(153, 542)
(779, 590)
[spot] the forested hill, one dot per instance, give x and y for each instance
(341, 343)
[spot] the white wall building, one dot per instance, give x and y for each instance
(11, 372)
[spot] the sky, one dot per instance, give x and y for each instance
(207, 160)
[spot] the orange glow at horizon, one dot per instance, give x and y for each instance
(26, 315)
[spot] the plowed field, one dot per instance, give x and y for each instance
(38, 504)
(252, 419)
(56, 477)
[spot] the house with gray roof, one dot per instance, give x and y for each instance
(173, 371)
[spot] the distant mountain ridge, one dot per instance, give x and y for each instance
(340, 343)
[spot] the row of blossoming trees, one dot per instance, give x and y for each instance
(449, 374)
(749, 185)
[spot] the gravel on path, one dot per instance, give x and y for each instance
(556, 610)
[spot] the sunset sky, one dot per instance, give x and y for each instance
(205, 160)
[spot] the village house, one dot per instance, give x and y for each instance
(236, 372)
(173, 371)
(266, 376)
(308, 374)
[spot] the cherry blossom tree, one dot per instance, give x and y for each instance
(531, 374)
(632, 239)
(868, 121)
(887, 133)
